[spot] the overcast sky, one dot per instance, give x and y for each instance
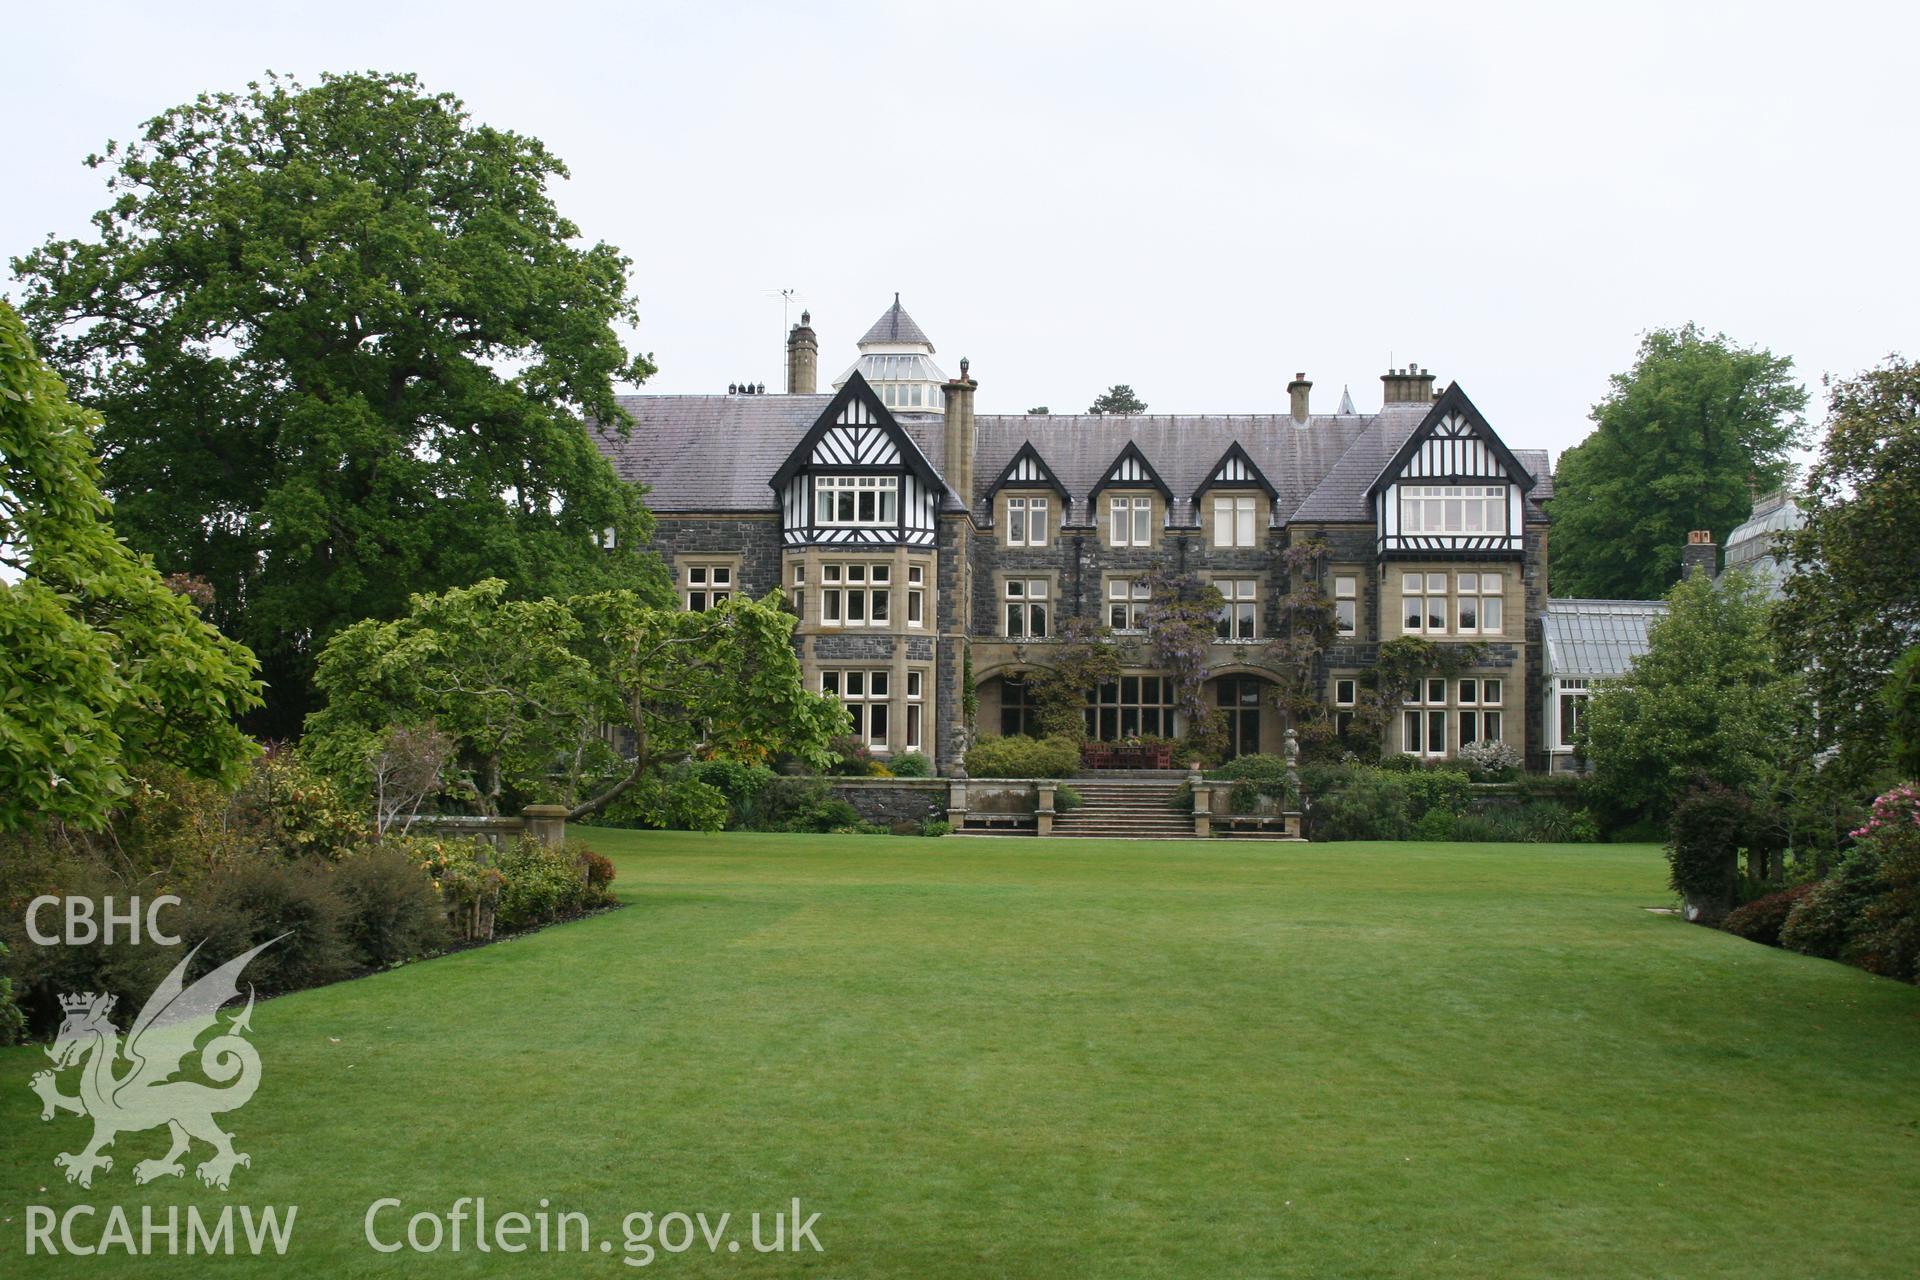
(1196, 199)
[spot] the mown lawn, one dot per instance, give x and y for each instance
(1052, 1059)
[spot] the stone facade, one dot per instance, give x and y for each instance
(747, 482)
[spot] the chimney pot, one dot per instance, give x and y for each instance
(803, 358)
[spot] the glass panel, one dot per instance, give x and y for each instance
(882, 573)
(1436, 691)
(1469, 614)
(1490, 725)
(830, 682)
(1343, 692)
(1490, 610)
(913, 684)
(1469, 582)
(877, 684)
(880, 603)
(1410, 732)
(1244, 522)
(877, 724)
(1037, 589)
(1343, 617)
(1492, 691)
(1345, 588)
(856, 684)
(1436, 732)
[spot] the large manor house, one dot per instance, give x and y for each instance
(924, 545)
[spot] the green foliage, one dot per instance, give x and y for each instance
(525, 685)
(674, 801)
(468, 882)
(345, 344)
(1446, 790)
(246, 903)
(1084, 658)
(1706, 700)
(1435, 824)
(1827, 919)
(1852, 605)
(1903, 713)
(12, 1021)
(1019, 757)
(1703, 854)
(802, 804)
(936, 827)
(853, 758)
(1066, 799)
(1363, 804)
(1181, 620)
(1678, 444)
(502, 677)
(1118, 398)
(1253, 777)
(392, 912)
(724, 684)
(911, 764)
(1762, 919)
(104, 671)
(540, 885)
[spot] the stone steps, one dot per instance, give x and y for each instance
(1126, 809)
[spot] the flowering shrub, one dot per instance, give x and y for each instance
(1895, 813)
(1491, 756)
(1867, 912)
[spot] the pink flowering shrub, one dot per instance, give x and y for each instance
(1867, 912)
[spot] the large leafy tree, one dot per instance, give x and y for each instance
(527, 689)
(1852, 602)
(104, 670)
(344, 343)
(1681, 442)
(1706, 702)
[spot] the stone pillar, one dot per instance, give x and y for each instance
(546, 823)
(1043, 807)
(1202, 804)
(957, 798)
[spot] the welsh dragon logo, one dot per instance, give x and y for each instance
(142, 1095)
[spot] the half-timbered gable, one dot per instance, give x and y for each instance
(857, 478)
(1027, 470)
(1131, 470)
(1452, 489)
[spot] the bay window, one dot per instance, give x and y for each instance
(855, 595)
(865, 696)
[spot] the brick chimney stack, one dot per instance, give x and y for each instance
(803, 358)
(959, 434)
(1700, 555)
(1411, 385)
(1297, 392)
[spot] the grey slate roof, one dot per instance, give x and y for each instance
(1183, 449)
(1597, 638)
(718, 452)
(895, 325)
(708, 453)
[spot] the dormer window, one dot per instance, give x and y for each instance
(856, 500)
